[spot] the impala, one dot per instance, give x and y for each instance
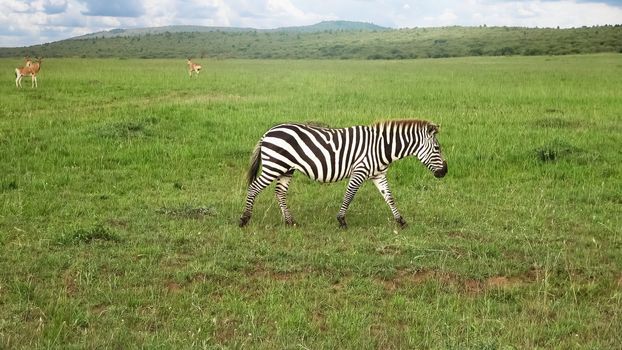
(31, 69)
(193, 67)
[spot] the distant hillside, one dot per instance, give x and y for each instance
(330, 40)
(157, 30)
(334, 25)
(318, 27)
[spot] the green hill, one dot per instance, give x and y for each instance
(334, 25)
(330, 40)
(318, 27)
(132, 32)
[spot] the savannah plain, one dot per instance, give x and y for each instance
(121, 182)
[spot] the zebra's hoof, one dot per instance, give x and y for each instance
(244, 220)
(291, 223)
(342, 222)
(401, 222)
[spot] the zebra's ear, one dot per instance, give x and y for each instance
(432, 129)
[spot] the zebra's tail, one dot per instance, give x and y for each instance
(255, 162)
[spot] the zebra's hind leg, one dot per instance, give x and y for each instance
(383, 186)
(258, 185)
(282, 184)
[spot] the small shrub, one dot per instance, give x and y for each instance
(556, 150)
(127, 129)
(555, 123)
(11, 185)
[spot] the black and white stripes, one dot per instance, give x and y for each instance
(330, 155)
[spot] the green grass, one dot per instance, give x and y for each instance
(121, 182)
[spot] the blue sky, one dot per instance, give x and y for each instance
(29, 22)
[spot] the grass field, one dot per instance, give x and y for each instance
(121, 182)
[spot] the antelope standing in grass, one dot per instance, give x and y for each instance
(193, 68)
(31, 69)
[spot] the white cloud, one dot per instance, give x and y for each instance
(32, 22)
(532, 13)
(271, 14)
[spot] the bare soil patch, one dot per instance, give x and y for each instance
(406, 278)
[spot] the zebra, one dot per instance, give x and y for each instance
(330, 155)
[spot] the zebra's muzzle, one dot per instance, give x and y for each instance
(442, 171)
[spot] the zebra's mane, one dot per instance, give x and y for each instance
(409, 122)
(403, 122)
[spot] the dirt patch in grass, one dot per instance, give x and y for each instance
(406, 278)
(188, 212)
(474, 287)
(389, 250)
(260, 271)
(225, 330)
(99, 309)
(120, 223)
(175, 261)
(69, 281)
(199, 277)
(319, 320)
(173, 287)
(339, 284)
(178, 285)
(33, 314)
(503, 282)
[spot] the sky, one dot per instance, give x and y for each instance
(30, 22)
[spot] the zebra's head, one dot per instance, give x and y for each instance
(430, 151)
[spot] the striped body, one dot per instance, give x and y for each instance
(330, 155)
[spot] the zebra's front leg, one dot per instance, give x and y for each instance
(383, 186)
(258, 185)
(282, 184)
(353, 185)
